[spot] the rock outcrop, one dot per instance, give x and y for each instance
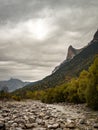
(72, 52)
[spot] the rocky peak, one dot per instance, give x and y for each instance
(72, 52)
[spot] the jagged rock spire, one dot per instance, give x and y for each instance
(72, 52)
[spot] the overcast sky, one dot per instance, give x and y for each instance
(35, 34)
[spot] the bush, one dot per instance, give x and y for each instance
(83, 83)
(72, 91)
(16, 98)
(4, 95)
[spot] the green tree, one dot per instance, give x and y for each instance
(92, 89)
(72, 91)
(83, 83)
(4, 94)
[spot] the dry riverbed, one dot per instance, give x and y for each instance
(33, 115)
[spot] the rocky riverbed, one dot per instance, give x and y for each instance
(32, 115)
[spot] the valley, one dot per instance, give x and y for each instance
(48, 65)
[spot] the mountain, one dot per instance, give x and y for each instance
(76, 61)
(12, 84)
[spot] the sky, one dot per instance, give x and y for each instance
(35, 34)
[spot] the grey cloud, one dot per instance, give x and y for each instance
(25, 57)
(24, 9)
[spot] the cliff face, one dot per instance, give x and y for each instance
(72, 52)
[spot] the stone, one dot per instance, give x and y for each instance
(10, 122)
(59, 129)
(5, 114)
(96, 125)
(33, 115)
(47, 117)
(71, 126)
(14, 125)
(21, 126)
(0, 107)
(29, 126)
(40, 121)
(26, 118)
(17, 120)
(15, 112)
(39, 129)
(78, 112)
(7, 118)
(2, 126)
(18, 128)
(54, 126)
(6, 110)
(82, 121)
(69, 120)
(41, 114)
(31, 119)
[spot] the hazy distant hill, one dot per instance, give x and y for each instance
(76, 61)
(12, 84)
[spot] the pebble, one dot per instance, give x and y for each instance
(18, 128)
(2, 126)
(54, 126)
(34, 115)
(71, 126)
(82, 121)
(28, 126)
(96, 125)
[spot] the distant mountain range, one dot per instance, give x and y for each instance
(12, 84)
(76, 61)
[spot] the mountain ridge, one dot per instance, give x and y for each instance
(12, 84)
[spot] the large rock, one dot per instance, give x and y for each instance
(72, 52)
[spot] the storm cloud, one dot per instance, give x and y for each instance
(35, 34)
